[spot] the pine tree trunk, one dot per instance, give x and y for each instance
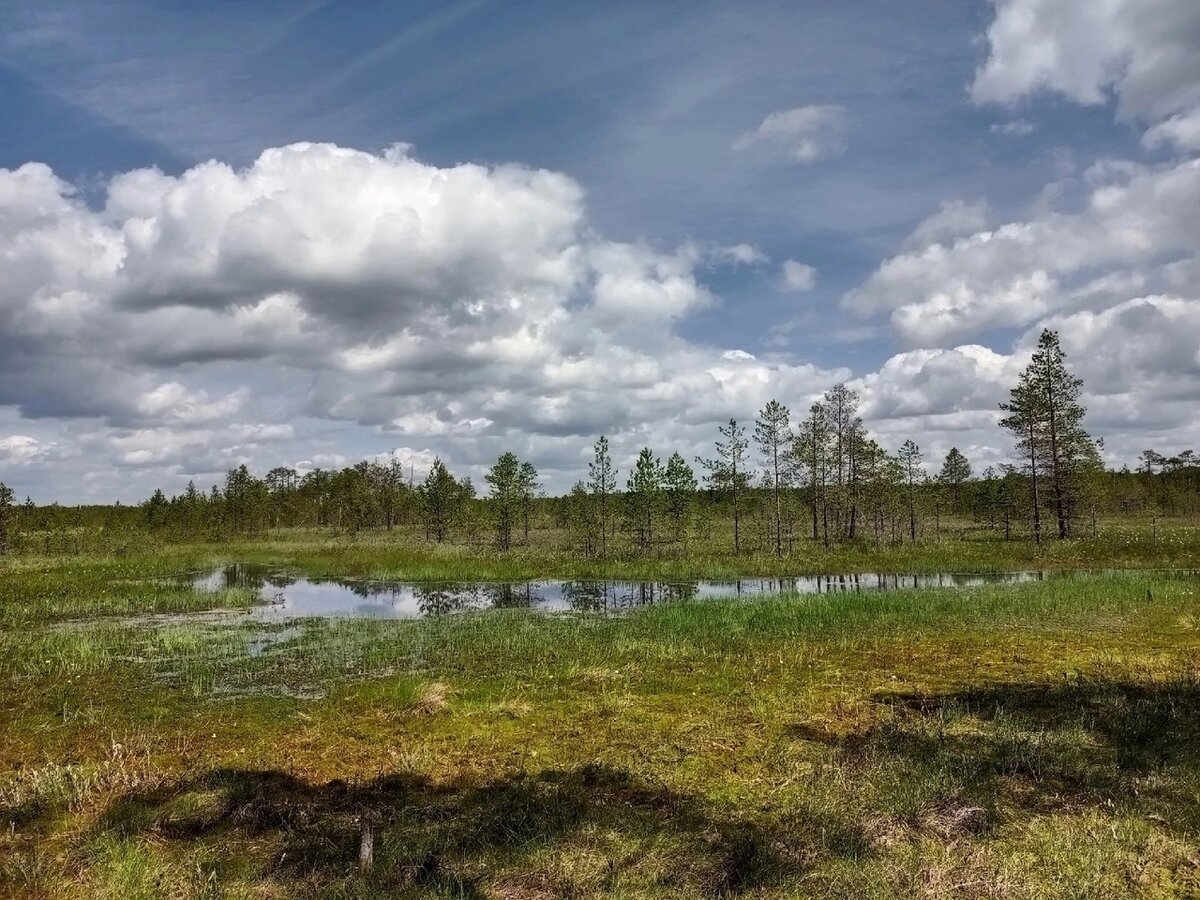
(1037, 500)
(778, 517)
(1056, 472)
(737, 518)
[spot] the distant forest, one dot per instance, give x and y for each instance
(771, 484)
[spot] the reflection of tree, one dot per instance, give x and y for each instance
(254, 577)
(679, 590)
(631, 594)
(240, 576)
(442, 599)
(236, 577)
(586, 596)
(838, 584)
(509, 596)
(364, 589)
(597, 596)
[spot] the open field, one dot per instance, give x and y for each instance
(1010, 741)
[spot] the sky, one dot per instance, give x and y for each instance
(308, 233)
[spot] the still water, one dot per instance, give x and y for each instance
(287, 595)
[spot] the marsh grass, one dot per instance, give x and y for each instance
(32, 592)
(1025, 740)
(403, 555)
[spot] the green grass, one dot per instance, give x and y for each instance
(1027, 740)
(403, 554)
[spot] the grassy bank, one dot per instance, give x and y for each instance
(404, 553)
(1019, 741)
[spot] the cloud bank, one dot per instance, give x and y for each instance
(324, 304)
(195, 321)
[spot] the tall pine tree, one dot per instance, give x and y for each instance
(1046, 418)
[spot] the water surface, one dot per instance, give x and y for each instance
(288, 595)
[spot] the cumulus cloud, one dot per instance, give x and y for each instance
(21, 450)
(323, 305)
(808, 134)
(797, 277)
(1141, 51)
(1138, 359)
(191, 322)
(1137, 222)
(953, 219)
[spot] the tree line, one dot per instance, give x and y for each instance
(820, 477)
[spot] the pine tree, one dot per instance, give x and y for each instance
(680, 484)
(773, 434)
(442, 500)
(911, 459)
(245, 500)
(154, 510)
(987, 497)
(602, 483)
(581, 515)
(872, 464)
(1069, 449)
(529, 487)
(506, 492)
(1024, 423)
(841, 410)
(956, 471)
(728, 472)
(644, 497)
(1046, 418)
(810, 457)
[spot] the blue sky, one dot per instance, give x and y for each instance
(820, 133)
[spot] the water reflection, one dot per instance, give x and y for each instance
(287, 595)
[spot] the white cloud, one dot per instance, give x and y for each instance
(953, 219)
(807, 133)
(739, 254)
(464, 311)
(1136, 223)
(797, 277)
(272, 313)
(1142, 51)
(171, 400)
(1181, 129)
(21, 450)
(1013, 127)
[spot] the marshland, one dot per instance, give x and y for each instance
(565, 451)
(172, 727)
